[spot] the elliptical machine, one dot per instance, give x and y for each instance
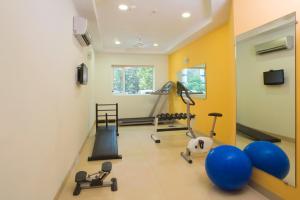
(196, 144)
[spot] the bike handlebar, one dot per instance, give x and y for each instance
(182, 90)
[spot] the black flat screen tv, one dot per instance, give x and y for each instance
(82, 74)
(274, 77)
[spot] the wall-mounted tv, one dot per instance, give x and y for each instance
(274, 77)
(82, 74)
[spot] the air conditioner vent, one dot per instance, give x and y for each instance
(275, 45)
(80, 31)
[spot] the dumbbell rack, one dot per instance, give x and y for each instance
(170, 117)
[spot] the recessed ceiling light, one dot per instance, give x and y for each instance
(123, 7)
(155, 45)
(117, 42)
(186, 15)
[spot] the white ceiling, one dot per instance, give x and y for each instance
(148, 22)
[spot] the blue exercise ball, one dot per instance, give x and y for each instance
(269, 158)
(228, 167)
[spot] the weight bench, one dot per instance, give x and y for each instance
(256, 135)
(106, 140)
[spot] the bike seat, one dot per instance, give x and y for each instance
(80, 177)
(106, 166)
(215, 114)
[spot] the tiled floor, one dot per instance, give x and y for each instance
(287, 146)
(150, 171)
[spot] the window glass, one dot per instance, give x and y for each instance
(132, 80)
(194, 79)
(118, 81)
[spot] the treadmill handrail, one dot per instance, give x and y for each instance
(164, 90)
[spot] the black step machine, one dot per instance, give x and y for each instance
(96, 180)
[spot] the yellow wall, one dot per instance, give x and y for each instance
(216, 50)
(245, 20)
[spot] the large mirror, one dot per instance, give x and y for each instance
(265, 62)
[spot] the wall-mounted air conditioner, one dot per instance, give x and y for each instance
(275, 45)
(80, 25)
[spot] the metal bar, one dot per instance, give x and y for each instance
(171, 129)
(108, 110)
(130, 66)
(106, 120)
(155, 138)
(117, 118)
(186, 156)
(212, 132)
(109, 121)
(188, 110)
(154, 107)
(111, 104)
(96, 115)
(156, 124)
(165, 99)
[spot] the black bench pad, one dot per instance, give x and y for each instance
(106, 144)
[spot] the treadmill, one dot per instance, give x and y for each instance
(162, 96)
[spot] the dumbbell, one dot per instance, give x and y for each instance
(176, 116)
(180, 116)
(171, 117)
(165, 116)
(161, 116)
(184, 116)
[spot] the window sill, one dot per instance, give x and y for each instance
(199, 96)
(132, 95)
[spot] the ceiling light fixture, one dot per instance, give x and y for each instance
(186, 15)
(117, 42)
(155, 45)
(123, 7)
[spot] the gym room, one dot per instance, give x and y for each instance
(152, 100)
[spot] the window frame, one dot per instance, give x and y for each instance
(195, 94)
(123, 67)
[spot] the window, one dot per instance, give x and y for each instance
(194, 79)
(133, 80)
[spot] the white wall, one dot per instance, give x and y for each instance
(267, 108)
(45, 115)
(130, 106)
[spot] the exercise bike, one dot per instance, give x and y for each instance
(196, 144)
(96, 180)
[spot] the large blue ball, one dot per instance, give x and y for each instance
(228, 167)
(269, 158)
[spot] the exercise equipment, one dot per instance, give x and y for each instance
(96, 180)
(228, 167)
(162, 92)
(106, 143)
(187, 116)
(196, 144)
(256, 135)
(269, 158)
(171, 117)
